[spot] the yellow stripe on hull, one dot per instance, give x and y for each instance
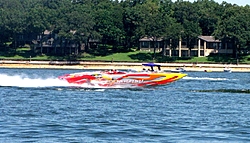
(170, 76)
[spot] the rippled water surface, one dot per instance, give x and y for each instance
(202, 107)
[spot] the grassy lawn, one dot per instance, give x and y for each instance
(195, 59)
(113, 57)
(136, 56)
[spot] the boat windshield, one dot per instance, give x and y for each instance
(152, 65)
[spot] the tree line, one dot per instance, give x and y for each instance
(124, 22)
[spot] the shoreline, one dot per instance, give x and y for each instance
(120, 65)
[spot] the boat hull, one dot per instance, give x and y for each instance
(138, 79)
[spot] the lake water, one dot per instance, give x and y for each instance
(202, 107)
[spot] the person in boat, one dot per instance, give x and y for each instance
(144, 70)
(150, 70)
(113, 71)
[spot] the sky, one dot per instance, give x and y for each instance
(238, 2)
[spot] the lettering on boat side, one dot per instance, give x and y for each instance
(129, 81)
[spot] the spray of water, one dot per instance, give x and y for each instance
(27, 81)
(205, 78)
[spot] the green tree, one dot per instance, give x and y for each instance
(187, 14)
(108, 18)
(209, 13)
(234, 26)
(4, 34)
(81, 20)
(130, 22)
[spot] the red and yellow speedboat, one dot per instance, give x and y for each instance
(123, 78)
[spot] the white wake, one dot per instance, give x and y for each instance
(27, 81)
(205, 78)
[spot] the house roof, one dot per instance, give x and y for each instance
(205, 38)
(208, 38)
(149, 39)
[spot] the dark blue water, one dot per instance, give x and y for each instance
(202, 107)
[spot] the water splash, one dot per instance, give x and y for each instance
(205, 78)
(26, 81)
(37, 82)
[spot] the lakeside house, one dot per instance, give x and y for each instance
(203, 46)
(49, 43)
